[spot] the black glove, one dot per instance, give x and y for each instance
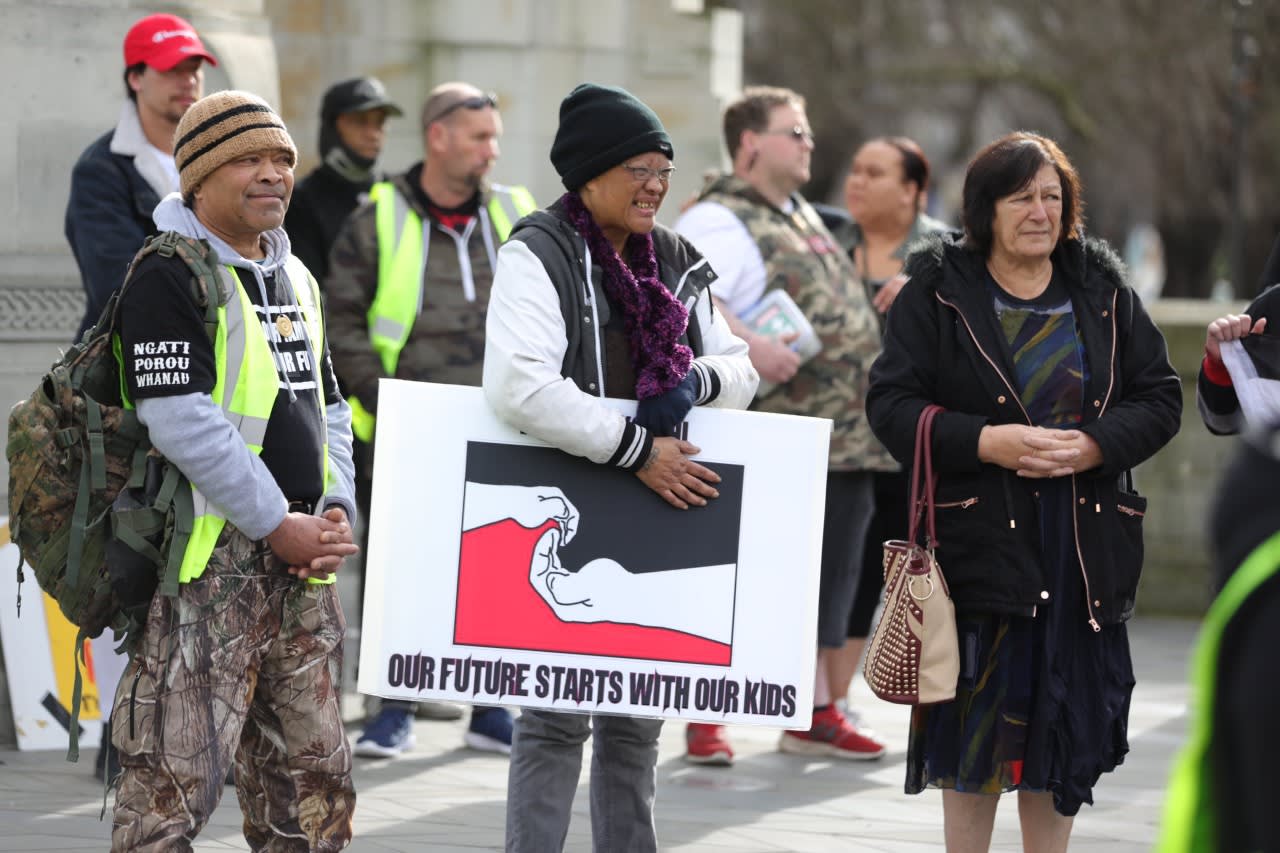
(663, 413)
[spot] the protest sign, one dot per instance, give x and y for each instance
(39, 648)
(504, 571)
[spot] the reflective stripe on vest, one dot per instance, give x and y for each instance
(401, 268)
(246, 388)
(1190, 814)
(518, 200)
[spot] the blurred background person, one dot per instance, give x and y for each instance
(121, 177)
(1055, 383)
(353, 117)
(1223, 789)
(885, 195)
(1216, 396)
(407, 290)
(761, 235)
(115, 186)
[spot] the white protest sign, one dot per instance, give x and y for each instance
(504, 571)
(39, 645)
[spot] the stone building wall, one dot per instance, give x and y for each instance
(61, 60)
(62, 63)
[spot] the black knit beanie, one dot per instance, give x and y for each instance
(600, 127)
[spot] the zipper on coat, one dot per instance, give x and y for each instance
(1097, 505)
(1008, 499)
(1075, 527)
(595, 318)
(1111, 378)
(1013, 395)
(684, 279)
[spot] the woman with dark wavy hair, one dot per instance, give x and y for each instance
(1055, 384)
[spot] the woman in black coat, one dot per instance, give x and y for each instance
(1055, 384)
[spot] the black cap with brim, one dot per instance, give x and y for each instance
(356, 96)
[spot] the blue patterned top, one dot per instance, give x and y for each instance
(1048, 355)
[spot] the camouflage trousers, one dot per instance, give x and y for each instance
(244, 662)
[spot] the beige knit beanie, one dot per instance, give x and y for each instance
(221, 127)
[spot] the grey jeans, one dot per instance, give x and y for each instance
(546, 760)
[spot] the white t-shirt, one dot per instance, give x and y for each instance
(166, 160)
(725, 242)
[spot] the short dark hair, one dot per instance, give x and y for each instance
(751, 112)
(915, 166)
(135, 68)
(1005, 166)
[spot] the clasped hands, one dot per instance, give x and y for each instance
(1036, 452)
(313, 546)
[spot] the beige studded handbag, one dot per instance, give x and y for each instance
(914, 655)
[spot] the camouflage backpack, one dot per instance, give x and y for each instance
(94, 510)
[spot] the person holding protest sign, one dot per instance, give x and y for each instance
(643, 328)
(1055, 383)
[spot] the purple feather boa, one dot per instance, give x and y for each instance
(653, 318)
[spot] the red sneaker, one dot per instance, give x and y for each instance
(831, 734)
(706, 744)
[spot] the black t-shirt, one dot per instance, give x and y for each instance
(167, 352)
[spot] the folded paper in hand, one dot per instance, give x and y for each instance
(777, 315)
(1252, 364)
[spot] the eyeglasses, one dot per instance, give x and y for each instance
(797, 133)
(475, 102)
(643, 174)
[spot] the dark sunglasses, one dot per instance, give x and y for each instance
(476, 102)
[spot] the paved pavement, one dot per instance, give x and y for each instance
(442, 797)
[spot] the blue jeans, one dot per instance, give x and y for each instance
(546, 759)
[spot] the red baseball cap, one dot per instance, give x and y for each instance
(162, 41)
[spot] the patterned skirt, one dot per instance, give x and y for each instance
(1043, 701)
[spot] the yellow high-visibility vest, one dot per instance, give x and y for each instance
(401, 268)
(1190, 811)
(246, 386)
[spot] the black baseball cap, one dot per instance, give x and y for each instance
(357, 95)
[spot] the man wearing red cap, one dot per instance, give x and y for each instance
(121, 177)
(118, 181)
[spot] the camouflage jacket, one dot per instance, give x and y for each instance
(446, 343)
(800, 256)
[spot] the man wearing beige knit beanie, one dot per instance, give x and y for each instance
(243, 663)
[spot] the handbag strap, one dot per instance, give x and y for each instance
(923, 481)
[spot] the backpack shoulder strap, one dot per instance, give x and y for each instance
(200, 259)
(206, 277)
